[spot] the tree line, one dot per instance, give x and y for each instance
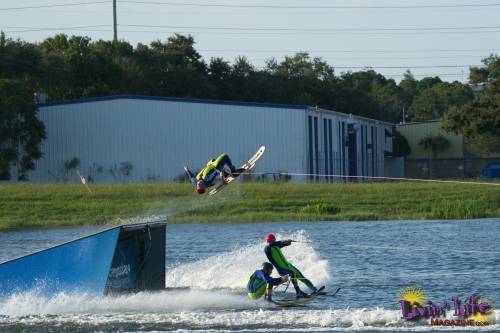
(68, 67)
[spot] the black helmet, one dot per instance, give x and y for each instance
(267, 266)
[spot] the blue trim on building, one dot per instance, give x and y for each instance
(174, 99)
(340, 148)
(316, 148)
(330, 141)
(373, 151)
(325, 144)
(363, 150)
(377, 167)
(343, 149)
(311, 170)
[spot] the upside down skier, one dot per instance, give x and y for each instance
(220, 166)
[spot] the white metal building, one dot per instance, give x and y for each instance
(152, 137)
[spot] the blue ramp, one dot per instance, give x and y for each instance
(127, 258)
(78, 266)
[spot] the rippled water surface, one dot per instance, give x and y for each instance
(370, 261)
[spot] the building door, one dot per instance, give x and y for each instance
(352, 145)
(313, 147)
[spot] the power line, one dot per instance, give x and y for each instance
(308, 33)
(312, 29)
(376, 58)
(34, 29)
(403, 67)
(428, 75)
(73, 27)
(290, 33)
(399, 67)
(350, 51)
(54, 5)
(308, 7)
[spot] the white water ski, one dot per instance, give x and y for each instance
(249, 165)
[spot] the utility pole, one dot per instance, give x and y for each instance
(114, 22)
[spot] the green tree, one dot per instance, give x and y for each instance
(435, 98)
(486, 73)
(435, 144)
(370, 94)
(408, 87)
(20, 131)
(175, 68)
(18, 59)
(301, 80)
(73, 67)
(219, 74)
(479, 120)
(401, 147)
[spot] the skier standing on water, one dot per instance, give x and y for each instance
(276, 257)
(261, 281)
(206, 176)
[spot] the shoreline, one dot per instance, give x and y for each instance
(29, 205)
(111, 225)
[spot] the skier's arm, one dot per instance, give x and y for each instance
(283, 243)
(190, 175)
(210, 178)
(271, 281)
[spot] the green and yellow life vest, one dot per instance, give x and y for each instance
(211, 165)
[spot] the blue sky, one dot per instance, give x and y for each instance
(440, 37)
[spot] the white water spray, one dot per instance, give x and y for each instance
(231, 270)
(32, 303)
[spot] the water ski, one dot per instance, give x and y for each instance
(303, 300)
(319, 291)
(249, 165)
(286, 303)
(327, 294)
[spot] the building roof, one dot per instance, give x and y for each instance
(416, 123)
(350, 115)
(206, 101)
(172, 99)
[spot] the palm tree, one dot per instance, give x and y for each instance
(434, 144)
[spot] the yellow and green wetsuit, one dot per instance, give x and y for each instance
(276, 257)
(209, 173)
(259, 282)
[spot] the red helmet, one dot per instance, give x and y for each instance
(200, 187)
(270, 238)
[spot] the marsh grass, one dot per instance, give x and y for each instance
(51, 205)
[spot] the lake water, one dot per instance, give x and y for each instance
(371, 261)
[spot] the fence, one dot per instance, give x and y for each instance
(447, 167)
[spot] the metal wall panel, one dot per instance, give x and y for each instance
(157, 137)
(371, 143)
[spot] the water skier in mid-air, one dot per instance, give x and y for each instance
(220, 166)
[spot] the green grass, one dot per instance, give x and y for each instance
(50, 205)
